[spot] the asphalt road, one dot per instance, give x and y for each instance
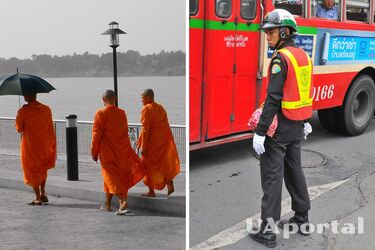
(225, 188)
(76, 224)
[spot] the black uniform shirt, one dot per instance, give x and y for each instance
(272, 106)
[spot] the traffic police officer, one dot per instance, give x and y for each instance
(289, 96)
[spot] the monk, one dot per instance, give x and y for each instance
(121, 166)
(159, 152)
(38, 145)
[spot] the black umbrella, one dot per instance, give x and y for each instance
(23, 84)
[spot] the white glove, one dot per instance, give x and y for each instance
(307, 129)
(258, 144)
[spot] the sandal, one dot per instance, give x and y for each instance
(35, 203)
(122, 212)
(44, 198)
(103, 208)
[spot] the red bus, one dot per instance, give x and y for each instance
(229, 57)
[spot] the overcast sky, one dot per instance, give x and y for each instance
(62, 27)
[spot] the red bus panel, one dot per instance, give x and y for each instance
(196, 39)
(247, 52)
(219, 61)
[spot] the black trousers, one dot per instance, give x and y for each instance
(282, 159)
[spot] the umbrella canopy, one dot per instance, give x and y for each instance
(23, 84)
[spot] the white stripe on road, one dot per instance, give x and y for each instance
(237, 232)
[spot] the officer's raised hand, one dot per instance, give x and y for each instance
(258, 144)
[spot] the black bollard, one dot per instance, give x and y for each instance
(71, 147)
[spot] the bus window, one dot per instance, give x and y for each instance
(193, 7)
(295, 7)
(248, 9)
(223, 8)
(329, 9)
(358, 10)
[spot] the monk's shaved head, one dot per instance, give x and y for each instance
(147, 96)
(148, 93)
(30, 97)
(109, 96)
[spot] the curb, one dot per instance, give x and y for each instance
(174, 205)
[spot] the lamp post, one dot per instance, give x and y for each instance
(114, 33)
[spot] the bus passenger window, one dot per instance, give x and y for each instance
(358, 10)
(295, 7)
(329, 9)
(193, 7)
(223, 8)
(248, 9)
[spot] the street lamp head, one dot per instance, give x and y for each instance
(114, 31)
(113, 25)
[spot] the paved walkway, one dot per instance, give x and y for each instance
(75, 224)
(90, 185)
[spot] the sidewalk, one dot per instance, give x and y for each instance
(90, 185)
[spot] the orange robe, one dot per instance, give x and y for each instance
(38, 143)
(161, 160)
(121, 166)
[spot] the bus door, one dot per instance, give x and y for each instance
(246, 64)
(219, 63)
(196, 40)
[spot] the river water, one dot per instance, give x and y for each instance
(82, 96)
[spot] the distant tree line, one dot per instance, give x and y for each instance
(130, 63)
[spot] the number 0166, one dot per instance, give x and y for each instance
(323, 92)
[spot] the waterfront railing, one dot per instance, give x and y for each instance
(10, 139)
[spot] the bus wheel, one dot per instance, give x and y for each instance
(328, 119)
(359, 105)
